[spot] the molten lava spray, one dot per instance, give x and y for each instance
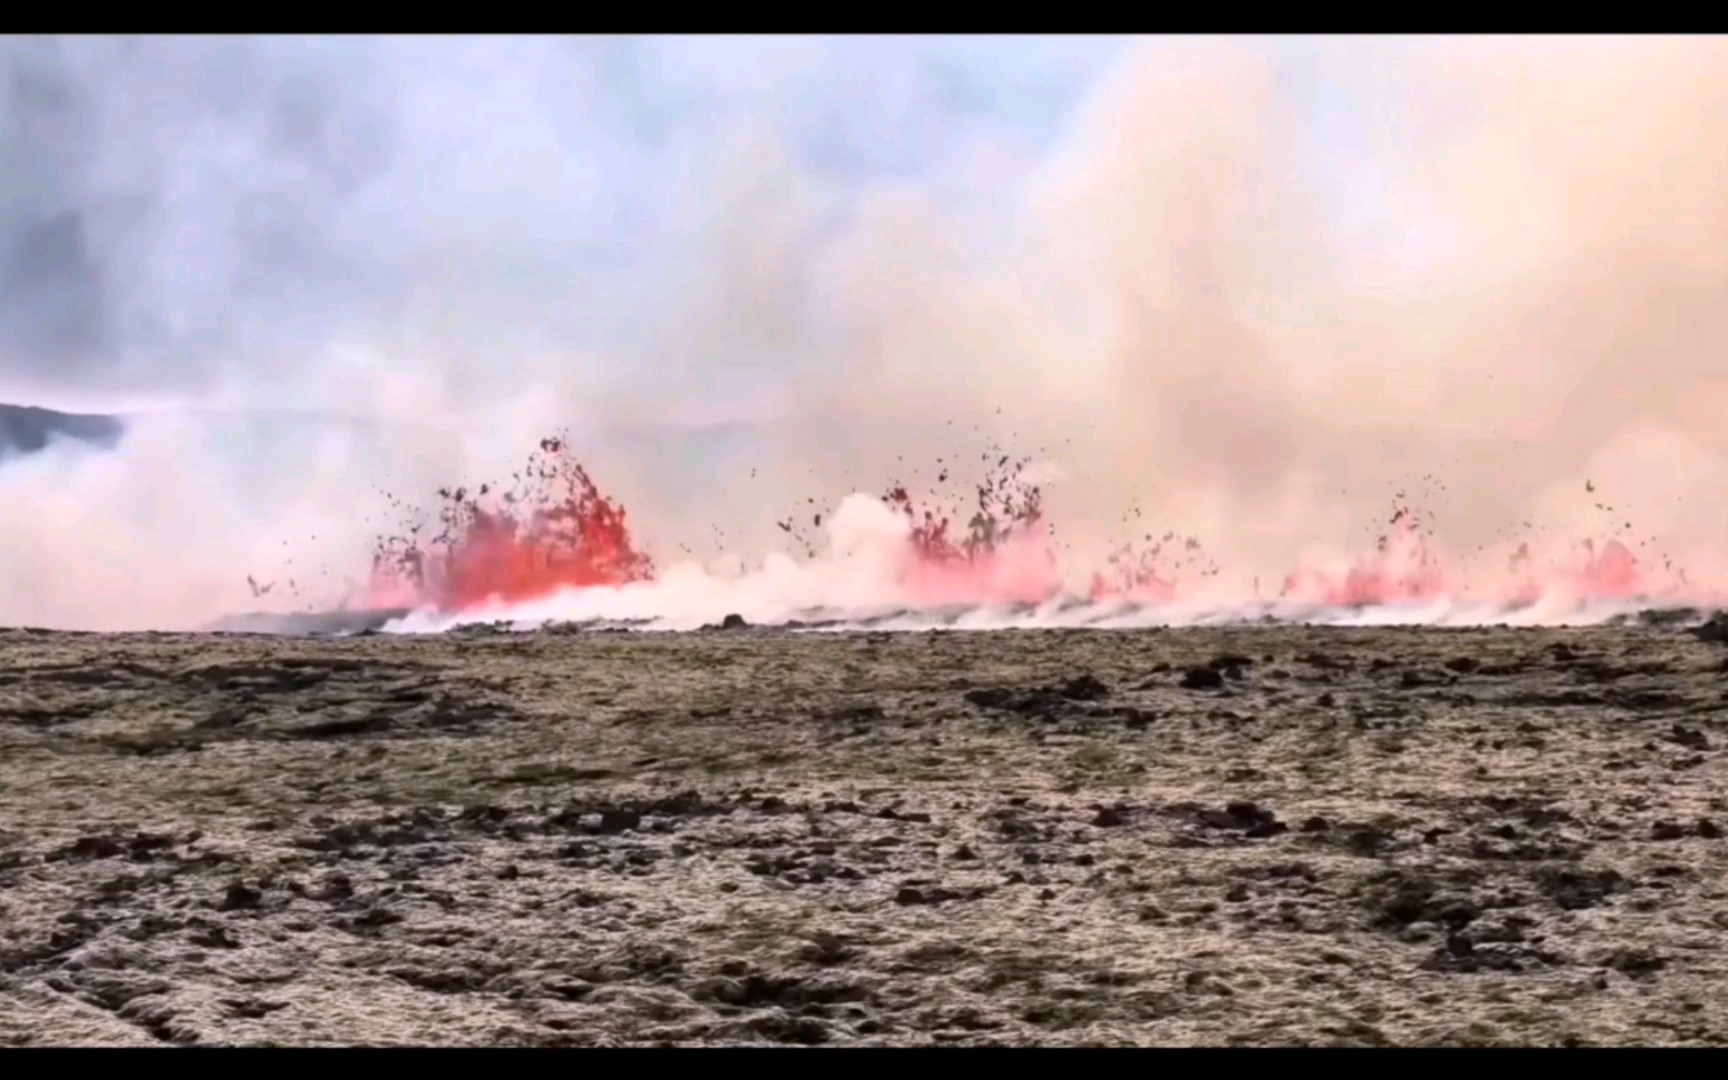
(551, 530)
(552, 543)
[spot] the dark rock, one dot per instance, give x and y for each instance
(213, 937)
(1316, 824)
(1108, 817)
(858, 714)
(1465, 956)
(1708, 829)
(734, 622)
(1667, 830)
(376, 917)
(1636, 962)
(1251, 819)
(1045, 704)
(908, 896)
(1715, 630)
(1248, 812)
(93, 847)
(335, 888)
(227, 716)
(1084, 688)
(144, 846)
(617, 821)
(252, 1008)
(332, 729)
(1201, 678)
(798, 1030)
(1690, 738)
(509, 872)
(990, 697)
(1459, 914)
(1326, 701)
(964, 853)
(483, 816)
(1411, 900)
(1368, 840)
(241, 897)
(1578, 890)
(1463, 665)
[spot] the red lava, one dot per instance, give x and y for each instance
(554, 530)
(1403, 568)
(1614, 573)
(1004, 555)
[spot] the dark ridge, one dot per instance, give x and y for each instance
(26, 429)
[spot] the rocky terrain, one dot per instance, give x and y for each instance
(1265, 835)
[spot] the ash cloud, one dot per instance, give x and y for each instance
(305, 269)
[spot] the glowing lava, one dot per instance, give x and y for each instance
(1004, 556)
(1403, 568)
(554, 530)
(1146, 575)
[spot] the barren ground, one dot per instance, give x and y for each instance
(1314, 836)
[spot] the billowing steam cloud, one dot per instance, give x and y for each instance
(1252, 290)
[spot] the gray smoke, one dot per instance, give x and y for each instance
(417, 256)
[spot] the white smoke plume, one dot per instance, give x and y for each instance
(314, 269)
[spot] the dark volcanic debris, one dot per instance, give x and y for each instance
(1249, 819)
(1202, 678)
(1713, 630)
